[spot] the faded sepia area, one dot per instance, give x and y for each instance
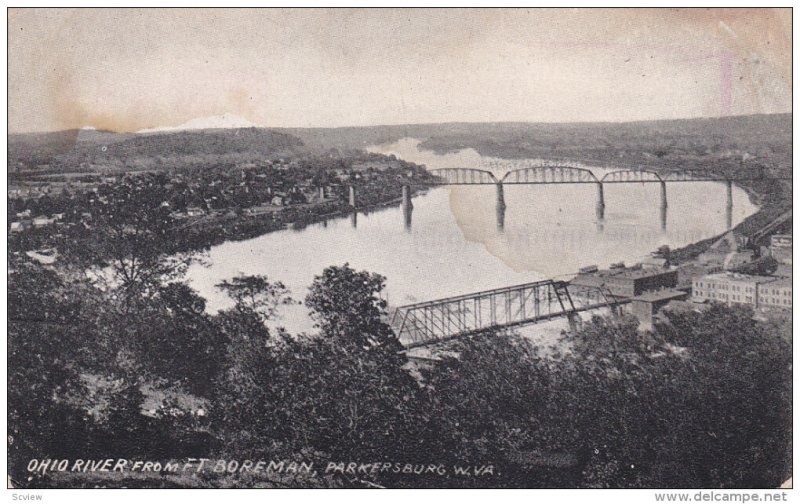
(126, 70)
(399, 248)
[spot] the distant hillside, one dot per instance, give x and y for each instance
(759, 135)
(32, 149)
(76, 149)
(766, 134)
(203, 142)
(765, 139)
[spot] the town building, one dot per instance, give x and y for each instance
(735, 288)
(628, 282)
(728, 288)
(646, 306)
(775, 294)
(780, 248)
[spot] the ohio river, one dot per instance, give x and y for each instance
(454, 245)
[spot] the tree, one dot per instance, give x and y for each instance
(319, 395)
(347, 307)
(256, 294)
(173, 339)
(244, 412)
(490, 403)
(704, 401)
(44, 331)
(133, 233)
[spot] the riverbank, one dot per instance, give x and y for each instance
(204, 232)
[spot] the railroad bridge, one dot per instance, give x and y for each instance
(445, 319)
(555, 173)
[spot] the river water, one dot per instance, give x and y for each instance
(456, 242)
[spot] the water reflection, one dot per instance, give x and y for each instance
(729, 205)
(408, 211)
(408, 207)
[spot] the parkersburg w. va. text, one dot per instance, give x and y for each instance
(203, 465)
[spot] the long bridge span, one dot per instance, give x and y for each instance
(566, 174)
(555, 173)
(563, 173)
(445, 319)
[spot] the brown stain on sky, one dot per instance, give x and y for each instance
(128, 69)
(754, 37)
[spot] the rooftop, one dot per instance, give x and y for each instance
(662, 295)
(633, 273)
(780, 283)
(740, 277)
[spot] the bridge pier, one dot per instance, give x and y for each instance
(600, 206)
(663, 207)
(354, 219)
(501, 218)
(352, 199)
(501, 199)
(501, 207)
(574, 322)
(729, 205)
(322, 193)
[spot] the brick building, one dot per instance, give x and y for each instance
(629, 282)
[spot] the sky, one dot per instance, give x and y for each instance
(130, 69)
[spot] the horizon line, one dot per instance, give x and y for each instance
(171, 129)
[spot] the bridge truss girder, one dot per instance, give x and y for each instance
(463, 176)
(565, 174)
(627, 176)
(550, 175)
(434, 321)
(693, 176)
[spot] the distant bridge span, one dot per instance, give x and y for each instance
(432, 322)
(564, 174)
(558, 173)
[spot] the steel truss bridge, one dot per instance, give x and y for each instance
(432, 322)
(562, 174)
